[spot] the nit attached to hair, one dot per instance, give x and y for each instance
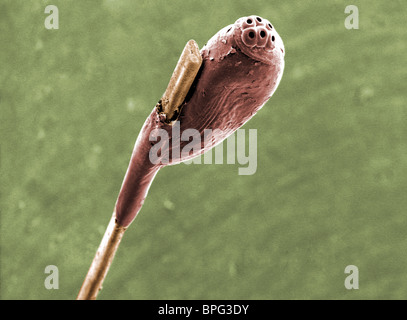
(223, 99)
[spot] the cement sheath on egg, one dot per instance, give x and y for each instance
(242, 66)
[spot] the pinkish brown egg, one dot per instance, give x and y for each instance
(242, 66)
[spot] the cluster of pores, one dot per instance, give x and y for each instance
(257, 32)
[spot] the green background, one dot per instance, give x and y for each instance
(330, 187)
